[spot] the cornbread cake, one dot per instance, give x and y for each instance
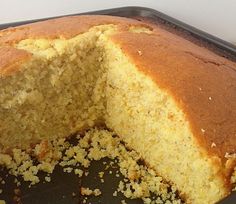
(168, 99)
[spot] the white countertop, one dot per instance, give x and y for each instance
(217, 17)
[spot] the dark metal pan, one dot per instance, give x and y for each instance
(60, 189)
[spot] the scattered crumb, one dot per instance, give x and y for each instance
(85, 200)
(18, 183)
(101, 174)
(203, 131)
(228, 155)
(115, 194)
(140, 52)
(139, 181)
(123, 202)
(79, 172)
(97, 192)
(68, 169)
(88, 192)
(47, 178)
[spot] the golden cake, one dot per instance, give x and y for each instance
(169, 99)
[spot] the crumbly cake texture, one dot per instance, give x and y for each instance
(171, 101)
(139, 181)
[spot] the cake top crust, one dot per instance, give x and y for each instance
(10, 59)
(202, 83)
(65, 27)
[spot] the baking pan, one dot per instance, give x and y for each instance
(64, 188)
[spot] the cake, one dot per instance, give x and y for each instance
(169, 99)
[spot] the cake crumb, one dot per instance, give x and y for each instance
(203, 130)
(230, 155)
(47, 178)
(140, 52)
(88, 192)
(115, 194)
(101, 174)
(78, 172)
(97, 192)
(68, 169)
(85, 191)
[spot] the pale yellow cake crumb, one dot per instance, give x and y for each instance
(88, 192)
(79, 172)
(123, 202)
(97, 192)
(115, 193)
(101, 174)
(47, 178)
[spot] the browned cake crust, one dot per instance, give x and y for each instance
(203, 83)
(66, 27)
(11, 58)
